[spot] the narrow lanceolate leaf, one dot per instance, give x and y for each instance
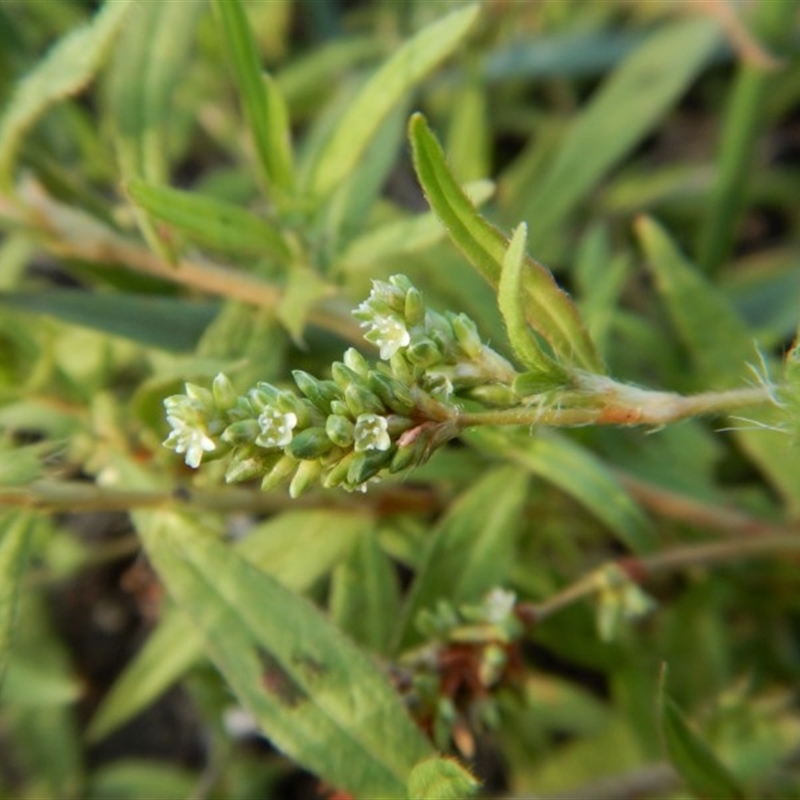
(262, 101)
(297, 548)
(365, 595)
(509, 299)
(617, 117)
(721, 346)
(472, 549)
(403, 236)
(698, 765)
(317, 697)
(212, 222)
(548, 309)
(165, 322)
(718, 340)
(578, 473)
(15, 530)
(441, 779)
(410, 63)
(148, 63)
(67, 69)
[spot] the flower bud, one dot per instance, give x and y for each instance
(339, 430)
(320, 393)
(392, 393)
(262, 395)
(307, 474)
(367, 465)
(337, 474)
(361, 400)
(343, 376)
(494, 394)
(246, 463)
(243, 432)
(282, 469)
(356, 362)
(414, 310)
(466, 334)
(310, 444)
(424, 353)
(224, 394)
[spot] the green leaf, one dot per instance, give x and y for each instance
(548, 309)
(509, 299)
(696, 762)
(215, 223)
(157, 321)
(441, 779)
(66, 70)
(365, 595)
(618, 116)
(148, 64)
(719, 342)
(262, 100)
(149, 61)
(403, 236)
(304, 288)
(471, 550)
(721, 346)
(318, 698)
(125, 779)
(743, 123)
(578, 473)
(297, 548)
(409, 64)
(15, 532)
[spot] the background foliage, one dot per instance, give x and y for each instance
(191, 187)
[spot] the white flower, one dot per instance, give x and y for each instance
(190, 437)
(190, 416)
(371, 433)
(389, 333)
(276, 427)
(498, 605)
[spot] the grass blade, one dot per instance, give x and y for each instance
(262, 101)
(618, 116)
(215, 223)
(410, 63)
(68, 67)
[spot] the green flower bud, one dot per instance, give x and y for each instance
(283, 468)
(307, 474)
(336, 475)
(414, 310)
(466, 334)
(310, 444)
(246, 463)
(361, 400)
(494, 394)
(392, 392)
(339, 430)
(367, 465)
(263, 395)
(356, 362)
(424, 353)
(243, 432)
(339, 407)
(320, 393)
(343, 376)
(224, 394)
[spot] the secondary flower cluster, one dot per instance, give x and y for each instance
(364, 421)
